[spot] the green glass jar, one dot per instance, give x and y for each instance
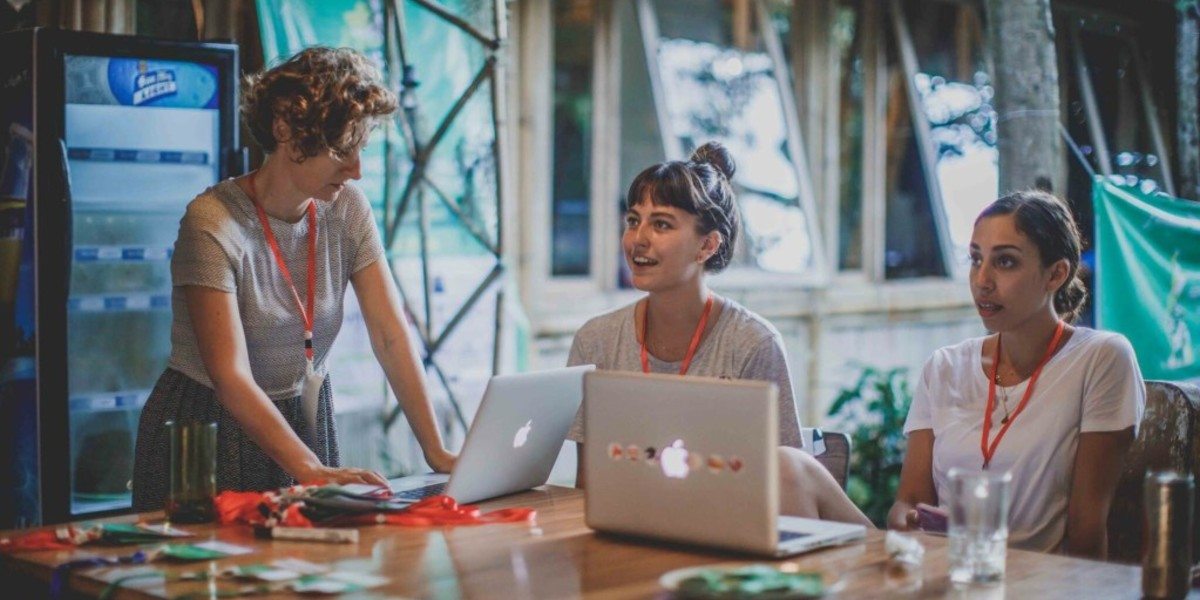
(193, 471)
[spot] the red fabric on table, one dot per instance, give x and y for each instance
(263, 509)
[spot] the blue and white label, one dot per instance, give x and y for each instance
(114, 401)
(154, 84)
(130, 302)
(141, 82)
(123, 253)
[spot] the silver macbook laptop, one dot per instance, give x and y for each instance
(513, 442)
(693, 460)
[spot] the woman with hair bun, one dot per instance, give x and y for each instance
(1055, 405)
(681, 223)
(259, 273)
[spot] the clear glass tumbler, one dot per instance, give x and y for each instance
(978, 533)
(193, 471)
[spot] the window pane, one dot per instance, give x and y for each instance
(956, 96)
(912, 248)
(847, 44)
(719, 84)
(572, 135)
(1122, 112)
(641, 140)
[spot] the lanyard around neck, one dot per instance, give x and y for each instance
(990, 450)
(695, 343)
(305, 314)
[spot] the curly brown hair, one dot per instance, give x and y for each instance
(328, 97)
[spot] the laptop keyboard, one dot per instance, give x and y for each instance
(787, 536)
(433, 489)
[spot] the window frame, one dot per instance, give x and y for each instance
(817, 75)
(1128, 37)
(743, 277)
(599, 290)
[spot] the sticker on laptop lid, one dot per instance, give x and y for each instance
(716, 463)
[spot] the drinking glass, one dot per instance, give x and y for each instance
(193, 466)
(978, 525)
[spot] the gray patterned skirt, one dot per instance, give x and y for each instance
(241, 464)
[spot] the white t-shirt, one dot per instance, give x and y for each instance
(1091, 384)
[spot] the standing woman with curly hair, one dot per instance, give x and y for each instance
(1055, 405)
(259, 273)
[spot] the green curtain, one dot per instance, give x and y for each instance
(1148, 276)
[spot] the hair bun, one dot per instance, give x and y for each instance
(714, 154)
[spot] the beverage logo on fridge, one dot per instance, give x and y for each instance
(149, 85)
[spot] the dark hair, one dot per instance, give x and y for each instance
(700, 186)
(1045, 219)
(324, 95)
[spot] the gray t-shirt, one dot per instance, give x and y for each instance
(221, 246)
(741, 345)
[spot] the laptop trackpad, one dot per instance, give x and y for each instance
(413, 482)
(787, 536)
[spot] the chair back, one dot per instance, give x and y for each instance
(836, 457)
(1166, 440)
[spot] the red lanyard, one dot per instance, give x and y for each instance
(988, 452)
(306, 315)
(691, 351)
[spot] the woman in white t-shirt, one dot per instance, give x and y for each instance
(1064, 401)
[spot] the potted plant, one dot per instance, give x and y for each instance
(872, 412)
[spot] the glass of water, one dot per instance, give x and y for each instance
(978, 525)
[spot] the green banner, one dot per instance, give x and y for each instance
(1148, 276)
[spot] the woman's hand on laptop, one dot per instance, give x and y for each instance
(440, 460)
(342, 476)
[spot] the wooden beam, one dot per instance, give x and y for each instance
(1088, 95)
(923, 131)
(1187, 89)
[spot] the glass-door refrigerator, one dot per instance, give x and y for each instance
(106, 139)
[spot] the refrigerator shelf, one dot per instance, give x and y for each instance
(125, 400)
(140, 155)
(123, 253)
(118, 303)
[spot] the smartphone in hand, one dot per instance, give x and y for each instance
(932, 519)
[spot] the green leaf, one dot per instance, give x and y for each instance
(874, 409)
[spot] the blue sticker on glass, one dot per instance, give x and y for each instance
(162, 83)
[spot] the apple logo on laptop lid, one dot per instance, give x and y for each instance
(674, 461)
(522, 434)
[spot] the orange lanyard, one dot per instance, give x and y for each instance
(691, 351)
(305, 315)
(989, 451)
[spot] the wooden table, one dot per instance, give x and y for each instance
(561, 558)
